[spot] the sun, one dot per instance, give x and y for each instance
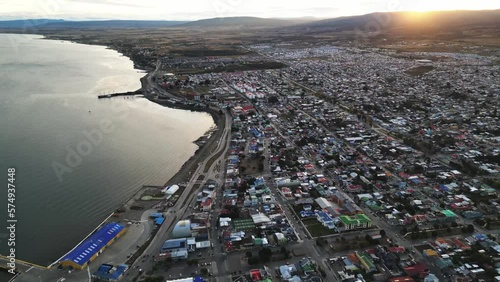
(439, 5)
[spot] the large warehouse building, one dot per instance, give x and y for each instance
(95, 244)
(182, 229)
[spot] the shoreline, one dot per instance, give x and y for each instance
(191, 163)
(202, 151)
(217, 118)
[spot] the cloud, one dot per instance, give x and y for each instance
(114, 3)
(198, 9)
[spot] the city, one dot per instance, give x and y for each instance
(328, 161)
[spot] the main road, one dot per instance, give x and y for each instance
(182, 208)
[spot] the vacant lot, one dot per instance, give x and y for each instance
(316, 228)
(420, 70)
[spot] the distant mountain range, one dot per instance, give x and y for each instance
(27, 23)
(44, 24)
(403, 21)
(244, 22)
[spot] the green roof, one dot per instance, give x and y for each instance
(448, 213)
(357, 219)
(243, 224)
(366, 258)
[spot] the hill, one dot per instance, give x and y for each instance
(242, 22)
(27, 23)
(404, 21)
(110, 24)
(47, 24)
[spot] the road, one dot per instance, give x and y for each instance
(182, 207)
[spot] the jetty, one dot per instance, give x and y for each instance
(129, 93)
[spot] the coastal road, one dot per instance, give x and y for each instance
(182, 208)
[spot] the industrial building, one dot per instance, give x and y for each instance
(108, 272)
(175, 248)
(182, 229)
(95, 244)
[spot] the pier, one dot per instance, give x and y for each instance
(21, 266)
(130, 93)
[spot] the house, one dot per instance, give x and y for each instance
(355, 222)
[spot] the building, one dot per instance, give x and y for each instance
(191, 279)
(325, 219)
(356, 221)
(175, 248)
(182, 229)
(108, 272)
(366, 261)
(90, 248)
(170, 190)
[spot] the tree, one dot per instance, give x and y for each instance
(253, 260)
(168, 261)
(153, 279)
(265, 255)
(283, 250)
(404, 230)
(383, 233)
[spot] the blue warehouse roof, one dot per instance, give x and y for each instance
(94, 243)
(109, 273)
(159, 220)
(175, 244)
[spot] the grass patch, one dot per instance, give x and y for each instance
(192, 52)
(317, 229)
(420, 70)
(249, 66)
(251, 165)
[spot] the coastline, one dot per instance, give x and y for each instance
(201, 152)
(218, 119)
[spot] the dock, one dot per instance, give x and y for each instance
(130, 93)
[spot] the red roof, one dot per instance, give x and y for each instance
(416, 269)
(404, 175)
(460, 244)
(248, 108)
(396, 249)
(256, 275)
(207, 202)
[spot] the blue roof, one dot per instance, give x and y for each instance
(104, 272)
(94, 243)
(324, 216)
(159, 220)
(155, 214)
(174, 244)
(306, 213)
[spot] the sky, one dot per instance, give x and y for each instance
(201, 9)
